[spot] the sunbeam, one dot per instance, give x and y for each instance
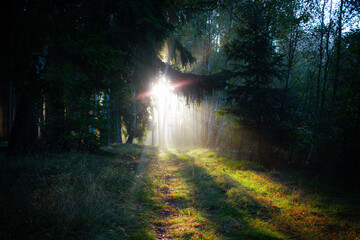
(173, 122)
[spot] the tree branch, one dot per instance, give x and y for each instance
(194, 86)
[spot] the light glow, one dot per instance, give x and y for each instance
(162, 90)
(173, 121)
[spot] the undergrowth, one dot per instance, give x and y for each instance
(75, 196)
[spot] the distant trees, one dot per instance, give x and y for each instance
(297, 53)
(71, 63)
(290, 67)
(79, 66)
(293, 96)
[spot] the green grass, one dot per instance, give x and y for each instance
(137, 192)
(263, 204)
(77, 196)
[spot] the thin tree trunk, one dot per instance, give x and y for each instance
(133, 124)
(219, 135)
(194, 127)
(320, 55)
(10, 107)
(118, 125)
(338, 51)
(327, 58)
(23, 138)
(164, 123)
(159, 127)
(108, 115)
(292, 47)
(153, 127)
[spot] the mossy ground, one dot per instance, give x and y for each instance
(139, 192)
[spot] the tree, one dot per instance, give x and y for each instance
(76, 46)
(251, 94)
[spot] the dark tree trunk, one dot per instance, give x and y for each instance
(24, 134)
(338, 52)
(320, 56)
(133, 124)
(54, 129)
(327, 52)
(118, 136)
(152, 130)
(115, 101)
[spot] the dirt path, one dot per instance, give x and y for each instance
(166, 191)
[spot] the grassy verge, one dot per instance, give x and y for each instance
(229, 199)
(77, 196)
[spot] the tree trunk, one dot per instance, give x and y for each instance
(327, 58)
(118, 136)
(24, 134)
(338, 51)
(133, 125)
(159, 123)
(153, 127)
(320, 55)
(10, 106)
(194, 127)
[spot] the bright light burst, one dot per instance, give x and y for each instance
(162, 90)
(163, 97)
(171, 119)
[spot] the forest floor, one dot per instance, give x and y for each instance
(140, 192)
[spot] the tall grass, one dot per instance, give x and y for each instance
(71, 195)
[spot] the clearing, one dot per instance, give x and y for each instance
(140, 192)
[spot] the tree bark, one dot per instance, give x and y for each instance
(320, 55)
(327, 58)
(118, 136)
(338, 51)
(10, 106)
(24, 134)
(153, 127)
(117, 117)
(133, 125)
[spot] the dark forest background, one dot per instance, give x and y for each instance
(274, 81)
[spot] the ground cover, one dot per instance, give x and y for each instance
(139, 192)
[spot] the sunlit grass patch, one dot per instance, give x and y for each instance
(274, 203)
(189, 223)
(180, 216)
(216, 197)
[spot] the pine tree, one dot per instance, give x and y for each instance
(252, 94)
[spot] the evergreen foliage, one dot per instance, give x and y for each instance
(78, 51)
(253, 94)
(288, 72)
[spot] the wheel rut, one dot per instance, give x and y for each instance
(166, 192)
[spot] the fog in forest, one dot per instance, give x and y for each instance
(173, 121)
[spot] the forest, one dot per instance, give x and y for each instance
(180, 119)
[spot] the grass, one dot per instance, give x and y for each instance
(261, 204)
(137, 192)
(76, 196)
